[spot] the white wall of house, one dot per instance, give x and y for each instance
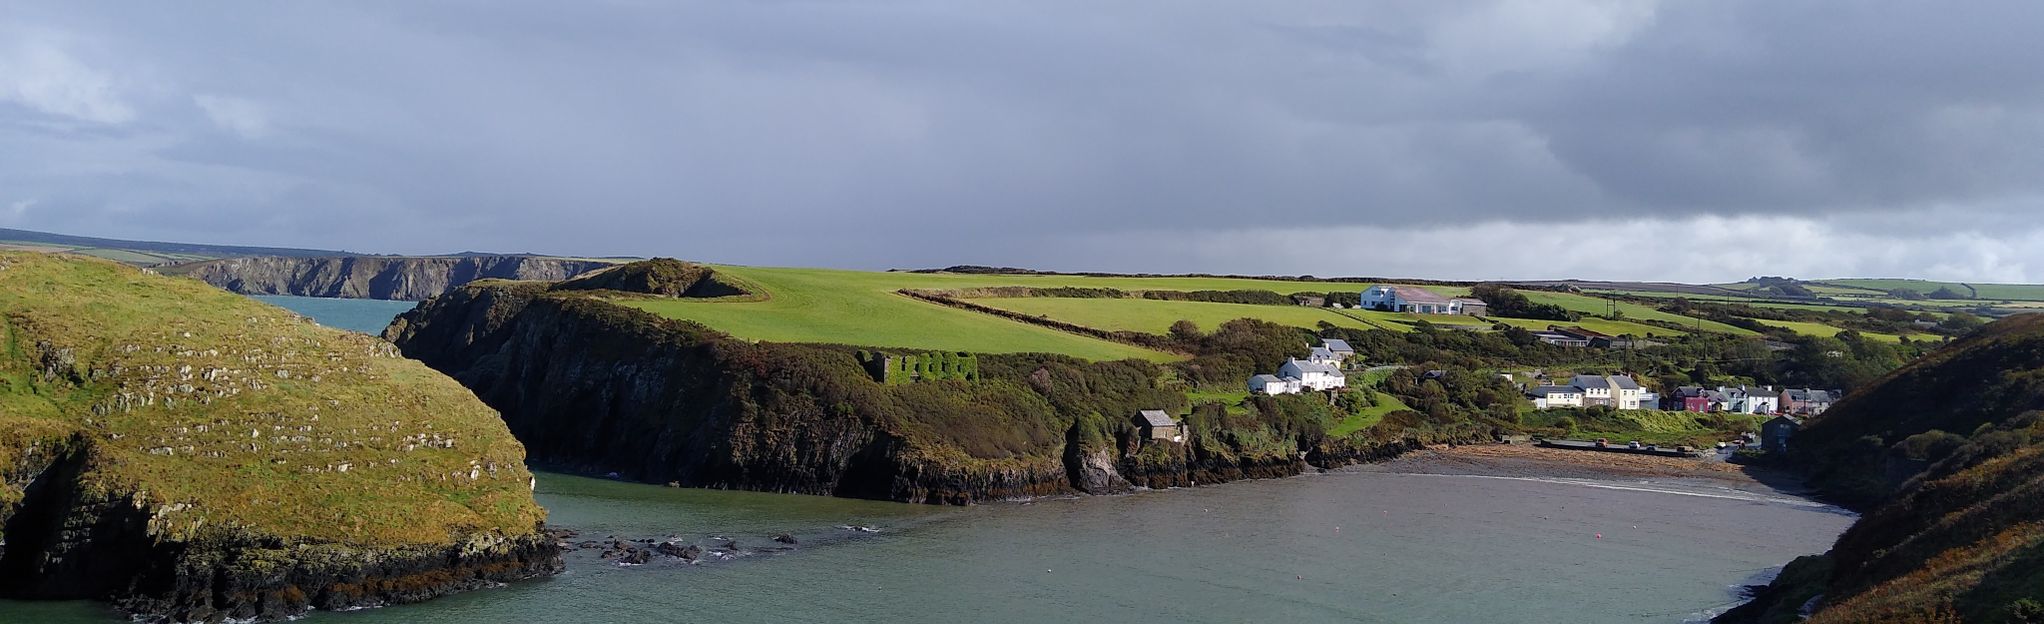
(1312, 377)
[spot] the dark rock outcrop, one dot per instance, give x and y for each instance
(374, 277)
(660, 277)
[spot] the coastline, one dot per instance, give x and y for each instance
(1529, 461)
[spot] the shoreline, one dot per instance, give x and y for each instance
(1529, 461)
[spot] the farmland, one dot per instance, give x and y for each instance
(826, 306)
(1632, 311)
(864, 308)
(1808, 328)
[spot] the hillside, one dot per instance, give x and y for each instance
(1947, 456)
(596, 385)
(193, 454)
(374, 277)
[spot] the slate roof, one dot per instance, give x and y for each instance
(1321, 353)
(1587, 382)
(1337, 345)
(1157, 418)
(1541, 391)
(1309, 367)
(1265, 379)
(1415, 294)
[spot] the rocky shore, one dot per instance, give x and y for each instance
(374, 277)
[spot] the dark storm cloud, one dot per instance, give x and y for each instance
(879, 134)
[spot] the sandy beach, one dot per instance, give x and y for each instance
(1526, 460)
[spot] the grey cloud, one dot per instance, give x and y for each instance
(887, 133)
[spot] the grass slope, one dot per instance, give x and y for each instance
(244, 414)
(1156, 316)
(861, 308)
(1809, 328)
(1632, 311)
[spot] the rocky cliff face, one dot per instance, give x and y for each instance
(593, 386)
(191, 455)
(374, 277)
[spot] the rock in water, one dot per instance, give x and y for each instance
(172, 447)
(785, 539)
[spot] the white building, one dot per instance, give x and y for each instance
(1418, 300)
(1744, 400)
(1273, 385)
(1313, 376)
(1619, 391)
(1323, 355)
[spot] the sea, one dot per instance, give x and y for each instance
(1343, 546)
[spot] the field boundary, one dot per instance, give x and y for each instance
(1134, 339)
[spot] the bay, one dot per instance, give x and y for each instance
(1346, 546)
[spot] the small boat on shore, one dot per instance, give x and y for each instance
(1633, 448)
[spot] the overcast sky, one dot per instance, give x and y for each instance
(1699, 140)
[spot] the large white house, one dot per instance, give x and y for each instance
(1619, 391)
(1313, 376)
(1418, 300)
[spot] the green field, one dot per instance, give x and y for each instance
(862, 308)
(1153, 316)
(851, 307)
(1606, 326)
(1595, 306)
(1808, 328)
(1985, 292)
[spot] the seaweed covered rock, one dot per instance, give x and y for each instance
(662, 277)
(191, 454)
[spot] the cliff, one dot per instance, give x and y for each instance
(193, 455)
(1946, 457)
(374, 277)
(593, 386)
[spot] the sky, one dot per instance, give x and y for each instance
(1626, 139)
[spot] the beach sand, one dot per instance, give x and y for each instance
(1526, 460)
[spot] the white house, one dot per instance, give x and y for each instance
(1273, 385)
(1545, 397)
(1619, 391)
(1744, 400)
(1313, 376)
(1417, 301)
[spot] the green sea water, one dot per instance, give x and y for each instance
(1352, 546)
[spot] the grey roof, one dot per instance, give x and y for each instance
(1809, 396)
(1264, 379)
(1337, 345)
(1309, 367)
(1415, 294)
(1157, 418)
(1322, 352)
(1589, 381)
(1547, 390)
